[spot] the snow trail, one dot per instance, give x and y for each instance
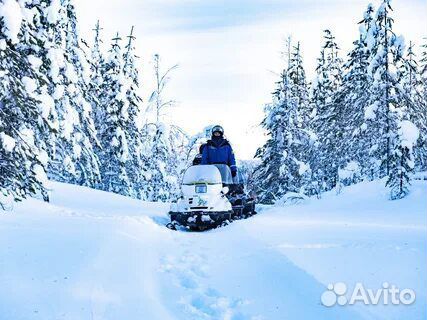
(94, 255)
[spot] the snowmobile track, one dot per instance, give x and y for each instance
(177, 227)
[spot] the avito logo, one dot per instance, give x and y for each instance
(338, 293)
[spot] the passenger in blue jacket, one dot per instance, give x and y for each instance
(218, 150)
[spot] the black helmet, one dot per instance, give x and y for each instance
(217, 128)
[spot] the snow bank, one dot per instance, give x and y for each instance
(90, 254)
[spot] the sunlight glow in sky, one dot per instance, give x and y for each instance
(229, 51)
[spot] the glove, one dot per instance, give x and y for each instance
(233, 173)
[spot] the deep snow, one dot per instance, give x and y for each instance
(94, 255)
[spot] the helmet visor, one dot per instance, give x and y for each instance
(217, 129)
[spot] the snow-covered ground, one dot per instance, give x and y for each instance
(93, 255)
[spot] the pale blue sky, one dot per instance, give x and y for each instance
(228, 51)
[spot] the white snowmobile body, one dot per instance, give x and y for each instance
(203, 202)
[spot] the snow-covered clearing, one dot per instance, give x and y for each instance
(93, 255)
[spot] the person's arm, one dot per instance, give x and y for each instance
(232, 162)
(205, 155)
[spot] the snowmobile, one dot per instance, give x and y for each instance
(210, 197)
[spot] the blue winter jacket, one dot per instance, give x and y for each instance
(219, 151)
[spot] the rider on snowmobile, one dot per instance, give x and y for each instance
(218, 150)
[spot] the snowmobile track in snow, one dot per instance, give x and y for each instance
(177, 227)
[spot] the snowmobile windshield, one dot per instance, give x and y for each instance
(199, 174)
(225, 173)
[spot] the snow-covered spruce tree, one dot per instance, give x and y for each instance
(411, 75)
(160, 168)
(87, 163)
(271, 154)
(134, 130)
(283, 157)
(304, 141)
(326, 113)
(22, 160)
(420, 114)
(412, 91)
(387, 114)
(97, 63)
(423, 102)
(402, 160)
(72, 157)
(36, 42)
(113, 134)
(158, 154)
(32, 44)
(353, 96)
(423, 66)
(298, 81)
(49, 21)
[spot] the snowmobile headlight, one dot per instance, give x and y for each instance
(201, 188)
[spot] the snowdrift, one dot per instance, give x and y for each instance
(94, 255)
